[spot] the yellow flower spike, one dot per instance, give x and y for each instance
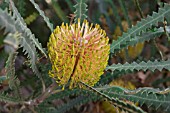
(78, 52)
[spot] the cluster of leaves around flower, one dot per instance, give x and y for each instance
(20, 92)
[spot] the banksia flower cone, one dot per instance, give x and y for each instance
(78, 52)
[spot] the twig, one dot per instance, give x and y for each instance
(34, 102)
(42, 97)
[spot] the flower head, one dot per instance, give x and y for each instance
(78, 52)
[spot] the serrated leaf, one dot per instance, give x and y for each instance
(80, 10)
(7, 22)
(11, 25)
(116, 102)
(149, 65)
(30, 50)
(141, 27)
(10, 69)
(25, 30)
(151, 97)
(144, 37)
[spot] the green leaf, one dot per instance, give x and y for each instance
(149, 65)
(10, 69)
(159, 81)
(11, 25)
(151, 97)
(82, 97)
(7, 22)
(116, 102)
(6, 98)
(30, 50)
(45, 109)
(4, 5)
(12, 42)
(80, 10)
(108, 77)
(25, 30)
(46, 19)
(80, 100)
(141, 27)
(62, 94)
(143, 37)
(70, 4)
(21, 6)
(60, 13)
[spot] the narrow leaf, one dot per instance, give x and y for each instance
(149, 65)
(25, 30)
(10, 69)
(80, 10)
(141, 27)
(46, 19)
(151, 97)
(118, 103)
